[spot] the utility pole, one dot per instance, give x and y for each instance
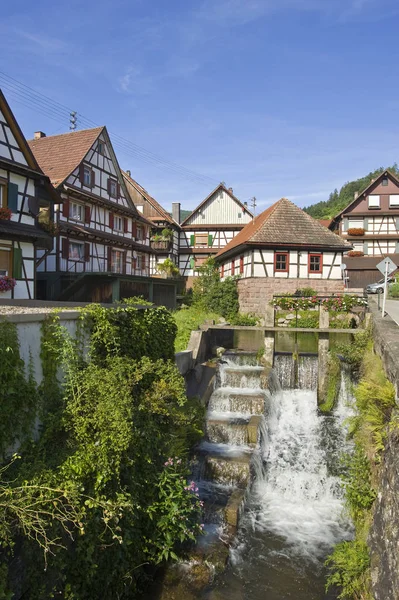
(252, 203)
(72, 120)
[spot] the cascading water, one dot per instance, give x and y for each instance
(294, 514)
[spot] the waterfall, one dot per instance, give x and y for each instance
(294, 511)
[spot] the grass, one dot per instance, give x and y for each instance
(187, 320)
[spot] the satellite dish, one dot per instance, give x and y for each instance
(134, 254)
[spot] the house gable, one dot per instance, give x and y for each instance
(384, 186)
(221, 207)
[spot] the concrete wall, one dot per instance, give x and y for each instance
(255, 293)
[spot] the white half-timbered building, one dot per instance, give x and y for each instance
(160, 220)
(282, 250)
(102, 251)
(24, 192)
(210, 227)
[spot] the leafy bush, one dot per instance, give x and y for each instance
(306, 292)
(243, 319)
(394, 290)
(188, 320)
(348, 566)
(214, 295)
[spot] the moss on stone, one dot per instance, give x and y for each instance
(333, 383)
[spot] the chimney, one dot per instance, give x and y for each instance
(176, 211)
(39, 134)
(356, 196)
(231, 190)
(128, 173)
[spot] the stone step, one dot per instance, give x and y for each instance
(228, 431)
(251, 404)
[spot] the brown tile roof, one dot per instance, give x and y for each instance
(285, 225)
(59, 155)
(163, 215)
(325, 222)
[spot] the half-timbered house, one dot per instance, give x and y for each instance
(210, 227)
(102, 250)
(281, 250)
(24, 192)
(165, 229)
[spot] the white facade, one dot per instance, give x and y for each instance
(262, 263)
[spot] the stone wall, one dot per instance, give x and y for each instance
(255, 293)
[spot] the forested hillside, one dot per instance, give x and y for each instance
(338, 200)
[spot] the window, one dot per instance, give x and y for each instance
(315, 263)
(87, 176)
(394, 200)
(281, 261)
(101, 147)
(384, 181)
(76, 251)
(5, 261)
(3, 194)
(139, 233)
(116, 261)
(118, 223)
(201, 239)
(239, 215)
(139, 261)
(140, 208)
(77, 211)
(232, 267)
(203, 215)
(374, 201)
(113, 188)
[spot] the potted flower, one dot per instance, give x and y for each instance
(7, 283)
(168, 268)
(5, 214)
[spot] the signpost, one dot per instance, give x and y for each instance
(386, 267)
(343, 271)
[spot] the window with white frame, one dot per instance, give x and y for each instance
(3, 194)
(76, 211)
(76, 251)
(139, 262)
(394, 200)
(139, 233)
(5, 261)
(118, 223)
(374, 201)
(116, 261)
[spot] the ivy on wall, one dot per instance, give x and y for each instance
(115, 435)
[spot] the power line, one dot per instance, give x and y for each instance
(52, 109)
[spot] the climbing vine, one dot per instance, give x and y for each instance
(114, 411)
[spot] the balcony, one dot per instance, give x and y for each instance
(165, 245)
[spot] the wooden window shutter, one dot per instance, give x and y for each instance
(345, 224)
(111, 220)
(134, 229)
(222, 272)
(65, 248)
(210, 240)
(143, 262)
(241, 264)
(232, 267)
(87, 214)
(365, 247)
(365, 224)
(397, 223)
(93, 178)
(87, 252)
(17, 263)
(65, 208)
(109, 186)
(125, 224)
(109, 258)
(12, 197)
(397, 248)
(192, 262)
(134, 261)
(118, 190)
(81, 173)
(124, 263)
(192, 240)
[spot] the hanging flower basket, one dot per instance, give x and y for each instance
(5, 214)
(7, 283)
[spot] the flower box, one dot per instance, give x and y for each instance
(355, 253)
(355, 231)
(5, 214)
(7, 283)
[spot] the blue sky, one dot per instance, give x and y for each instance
(274, 97)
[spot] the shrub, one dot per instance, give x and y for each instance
(243, 319)
(394, 290)
(348, 566)
(306, 292)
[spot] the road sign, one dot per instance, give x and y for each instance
(343, 267)
(387, 262)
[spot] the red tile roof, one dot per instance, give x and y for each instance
(59, 155)
(284, 224)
